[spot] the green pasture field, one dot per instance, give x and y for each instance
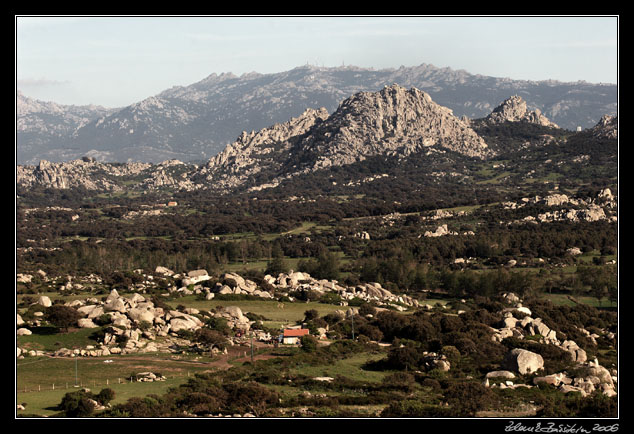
(43, 381)
(303, 228)
(48, 339)
(45, 402)
(562, 299)
(350, 368)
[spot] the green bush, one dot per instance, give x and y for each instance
(414, 408)
(105, 396)
(309, 343)
(77, 404)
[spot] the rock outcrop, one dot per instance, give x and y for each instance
(83, 173)
(607, 127)
(515, 109)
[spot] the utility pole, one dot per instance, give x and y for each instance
(352, 319)
(251, 348)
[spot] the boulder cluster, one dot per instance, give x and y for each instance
(591, 209)
(136, 323)
(370, 292)
(523, 362)
(284, 284)
(443, 230)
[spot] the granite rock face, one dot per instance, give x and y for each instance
(394, 122)
(515, 109)
(256, 151)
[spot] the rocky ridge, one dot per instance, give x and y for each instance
(85, 173)
(44, 119)
(607, 127)
(394, 122)
(89, 174)
(252, 152)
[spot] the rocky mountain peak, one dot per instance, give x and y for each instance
(393, 121)
(515, 109)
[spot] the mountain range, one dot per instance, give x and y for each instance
(395, 132)
(195, 123)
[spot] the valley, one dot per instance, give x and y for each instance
(439, 267)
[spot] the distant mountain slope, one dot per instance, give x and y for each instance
(42, 126)
(195, 122)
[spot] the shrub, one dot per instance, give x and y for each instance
(309, 343)
(414, 408)
(367, 309)
(105, 396)
(220, 324)
(144, 325)
(452, 353)
(62, 316)
(468, 397)
(77, 404)
(310, 315)
(400, 380)
(249, 397)
(210, 338)
(404, 358)
(103, 320)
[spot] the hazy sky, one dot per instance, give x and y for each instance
(116, 61)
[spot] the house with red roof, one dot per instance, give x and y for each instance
(293, 336)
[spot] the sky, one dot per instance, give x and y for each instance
(115, 61)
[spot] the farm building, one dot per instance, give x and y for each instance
(293, 336)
